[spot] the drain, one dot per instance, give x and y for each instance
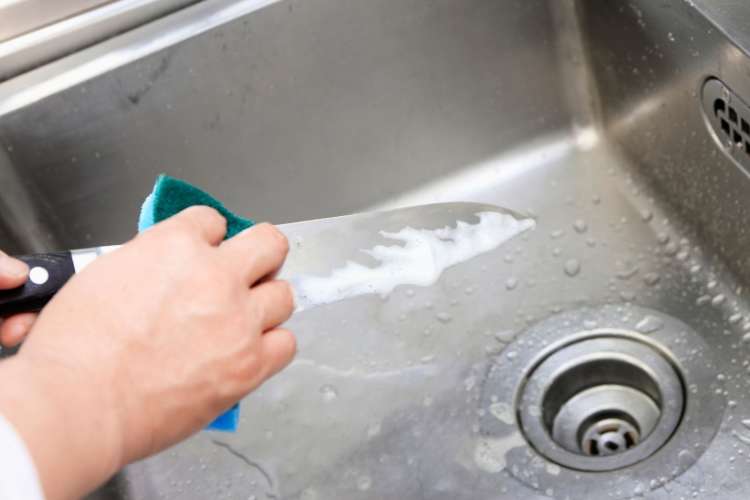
(728, 117)
(582, 400)
(601, 403)
(607, 420)
(609, 436)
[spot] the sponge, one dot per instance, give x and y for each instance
(169, 197)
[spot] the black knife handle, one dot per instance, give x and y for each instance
(48, 273)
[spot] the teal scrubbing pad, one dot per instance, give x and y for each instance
(169, 197)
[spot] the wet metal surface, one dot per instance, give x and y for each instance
(587, 114)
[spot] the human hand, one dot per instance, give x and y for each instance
(147, 345)
(13, 273)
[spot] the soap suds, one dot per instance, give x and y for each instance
(420, 261)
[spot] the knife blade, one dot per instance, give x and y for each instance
(331, 259)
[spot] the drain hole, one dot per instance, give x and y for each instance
(601, 404)
(730, 123)
(725, 127)
(608, 433)
(719, 106)
(732, 115)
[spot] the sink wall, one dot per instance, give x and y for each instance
(300, 110)
(585, 112)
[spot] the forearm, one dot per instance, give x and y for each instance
(73, 446)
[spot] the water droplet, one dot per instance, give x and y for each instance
(703, 300)
(596, 199)
(651, 279)
(670, 248)
(373, 430)
(685, 458)
(503, 412)
(469, 290)
(511, 283)
(670, 37)
(364, 483)
(329, 392)
(746, 338)
(646, 215)
(649, 324)
(683, 255)
(580, 226)
(718, 300)
(735, 318)
(662, 238)
(511, 354)
(572, 267)
(627, 273)
(427, 401)
(591, 242)
(557, 233)
(444, 317)
(695, 269)
(505, 336)
(556, 251)
(410, 292)
(627, 296)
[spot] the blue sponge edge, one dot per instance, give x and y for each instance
(146, 217)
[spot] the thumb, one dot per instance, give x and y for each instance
(13, 272)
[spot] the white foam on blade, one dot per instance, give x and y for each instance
(419, 261)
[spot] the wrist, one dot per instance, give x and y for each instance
(64, 420)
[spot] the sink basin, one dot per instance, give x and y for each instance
(588, 114)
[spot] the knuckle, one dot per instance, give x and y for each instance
(291, 344)
(198, 211)
(278, 239)
(249, 364)
(181, 233)
(287, 296)
(257, 311)
(203, 216)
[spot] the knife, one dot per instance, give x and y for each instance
(331, 259)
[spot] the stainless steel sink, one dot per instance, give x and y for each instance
(590, 114)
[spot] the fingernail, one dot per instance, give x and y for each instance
(13, 268)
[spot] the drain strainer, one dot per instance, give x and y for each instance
(728, 118)
(582, 399)
(602, 403)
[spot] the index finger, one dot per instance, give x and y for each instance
(202, 220)
(257, 252)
